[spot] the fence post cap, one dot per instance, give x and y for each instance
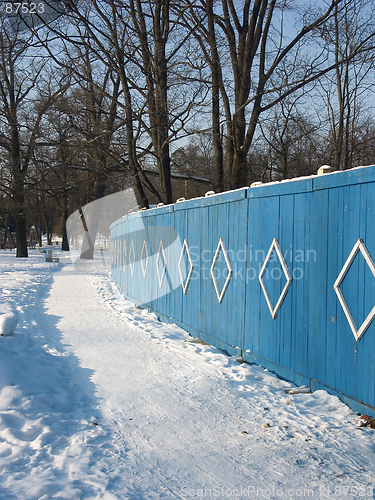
(324, 169)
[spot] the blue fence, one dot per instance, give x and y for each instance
(280, 274)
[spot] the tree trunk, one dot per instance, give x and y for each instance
(240, 145)
(6, 231)
(39, 234)
(216, 76)
(19, 201)
(130, 143)
(155, 70)
(21, 235)
(239, 170)
(161, 19)
(65, 241)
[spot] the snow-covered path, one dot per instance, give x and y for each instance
(99, 400)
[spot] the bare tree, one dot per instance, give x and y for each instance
(201, 15)
(140, 41)
(266, 64)
(346, 36)
(290, 139)
(26, 93)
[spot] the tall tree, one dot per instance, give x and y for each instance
(203, 17)
(26, 93)
(348, 38)
(268, 62)
(141, 42)
(154, 60)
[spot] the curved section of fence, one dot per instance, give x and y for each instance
(281, 274)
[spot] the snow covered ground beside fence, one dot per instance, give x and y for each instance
(100, 400)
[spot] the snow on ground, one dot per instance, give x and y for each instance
(100, 400)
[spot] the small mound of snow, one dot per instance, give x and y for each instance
(8, 323)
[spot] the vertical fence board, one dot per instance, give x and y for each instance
(318, 286)
(193, 315)
(334, 265)
(219, 321)
(366, 347)
(237, 237)
(299, 252)
(180, 300)
(267, 217)
(284, 316)
(253, 291)
(347, 345)
(207, 292)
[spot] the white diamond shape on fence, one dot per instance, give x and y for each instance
(221, 246)
(144, 265)
(186, 284)
(161, 248)
(132, 264)
(275, 246)
(359, 246)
